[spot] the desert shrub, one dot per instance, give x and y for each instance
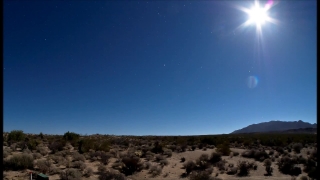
(71, 137)
(183, 159)
(189, 166)
(56, 158)
(117, 165)
(168, 152)
(271, 152)
(313, 155)
(146, 165)
(44, 165)
(309, 164)
(280, 150)
(203, 162)
(57, 145)
(102, 146)
(221, 165)
(131, 164)
(313, 173)
(235, 153)
(70, 174)
(157, 148)
(200, 146)
(244, 168)
(19, 162)
(78, 157)
(172, 147)
(159, 157)
(5, 153)
(215, 157)
(79, 165)
(84, 145)
(108, 175)
(87, 172)
(42, 150)
(102, 168)
(13, 146)
(149, 157)
(286, 166)
(297, 147)
(253, 165)
(201, 175)
(155, 170)
(267, 163)
(16, 136)
(193, 147)
(105, 157)
(232, 171)
(164, 162)
(63, 153)
(304, 178)
(54, 170)
(32, 144)
(224, 149)
(256, 154)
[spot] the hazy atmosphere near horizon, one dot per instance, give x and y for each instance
(157, 67)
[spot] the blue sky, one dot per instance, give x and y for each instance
(156, 67)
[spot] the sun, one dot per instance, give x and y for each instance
(258, 15)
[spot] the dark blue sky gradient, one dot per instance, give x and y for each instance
(160, 67)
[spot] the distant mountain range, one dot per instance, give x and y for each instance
(279, 126)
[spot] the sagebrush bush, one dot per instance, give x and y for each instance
(287, 166)
(244, 168)
(78, 157)
(105, 157)
(79, 165)
(57, 145)
(189, 166)
(70, 174)
(131, 164)
(221, 165)
(16, 136)
(19, 162)
(111, 175)
(201, 175)
(224, 149)
(155, 170)
(146, 165)
(297, 147)
(87, 172)
(164, 162)
(267, 164)
(215, 157)
(44, 166)
(168, 152)
(232, 170)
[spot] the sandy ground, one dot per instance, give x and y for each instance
(174, 168)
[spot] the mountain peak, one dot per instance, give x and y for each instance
(275, 126)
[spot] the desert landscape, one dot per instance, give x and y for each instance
(101, 157)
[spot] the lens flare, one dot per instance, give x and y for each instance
(252, 82)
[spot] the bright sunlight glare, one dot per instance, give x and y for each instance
(258, 15)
